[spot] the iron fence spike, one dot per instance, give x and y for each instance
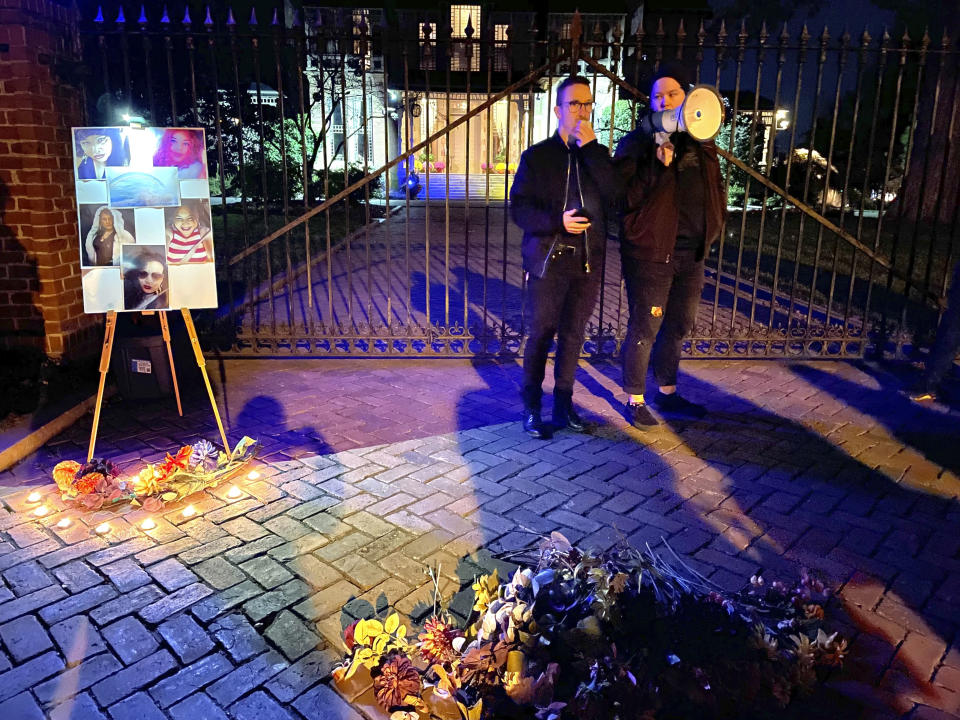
(165, 19)
(253, 17)
(120, 17)
(865, 38)
(276, 17)
(187, 20)
(143, 15)
(99, 17)
(208, 20)
(231, 21)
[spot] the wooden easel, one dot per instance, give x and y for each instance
(165, 330)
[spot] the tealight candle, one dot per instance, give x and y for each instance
(234, 492)
(102, 529)
(253, 475)
(189, 511)
(41, 511)
(148, 524)
(34, 497)
(64, 523)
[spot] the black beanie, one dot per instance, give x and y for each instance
(672, 69)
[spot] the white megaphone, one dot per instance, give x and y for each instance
(700, 115)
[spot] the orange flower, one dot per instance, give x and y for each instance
(64, 473)
(88, 483)
(397, 678)
(436, 641)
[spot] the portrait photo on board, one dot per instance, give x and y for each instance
(189, 237)
(184, 149)
(96, 149)
(143, 187)
(103, 230)
(145, 279)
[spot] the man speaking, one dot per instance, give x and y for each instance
(559, 198)
(674, 210)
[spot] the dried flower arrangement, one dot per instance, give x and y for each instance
(602, 636)
(196, 467)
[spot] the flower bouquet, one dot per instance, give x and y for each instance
(195, 467)
(602, 636)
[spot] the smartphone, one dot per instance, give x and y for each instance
(582, 213)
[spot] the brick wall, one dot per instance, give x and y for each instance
(40, 294)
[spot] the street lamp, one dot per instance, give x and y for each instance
(782, 118)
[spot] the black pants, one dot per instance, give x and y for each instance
(560, 303)
(948, 337)
(663, 301)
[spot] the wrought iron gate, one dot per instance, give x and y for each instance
(362, 165)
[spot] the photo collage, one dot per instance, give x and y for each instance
(146, 232)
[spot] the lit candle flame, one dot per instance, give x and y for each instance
(33, 497)
(253, 475)
(102, 528)
(41, 511)
(234, 492)
(148, 524)
(189, 511)
(64, 523)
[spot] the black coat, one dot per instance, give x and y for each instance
(538, 195)
(651, 213)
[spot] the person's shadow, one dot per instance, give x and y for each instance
(778, 496)
(927, 429)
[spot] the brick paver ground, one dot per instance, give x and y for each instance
(371, 471)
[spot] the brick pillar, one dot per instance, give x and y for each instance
(41, 302)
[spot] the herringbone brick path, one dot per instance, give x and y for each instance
(372, 471)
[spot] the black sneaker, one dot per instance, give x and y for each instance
(640, 417)
(674, 404)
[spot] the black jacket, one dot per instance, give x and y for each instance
(538, 195)
(650, 216)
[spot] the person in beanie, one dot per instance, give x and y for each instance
(559, 198)
(674, 209)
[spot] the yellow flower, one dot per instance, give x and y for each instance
(486, 590)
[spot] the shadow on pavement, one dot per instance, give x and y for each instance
(929, 430)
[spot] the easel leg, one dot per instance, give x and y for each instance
(165, 329)
(202, 363)
(104, 366)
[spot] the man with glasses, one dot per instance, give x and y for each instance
(674, 210)
(559, 198)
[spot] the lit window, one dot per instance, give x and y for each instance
(500, 47)
(460, 17)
